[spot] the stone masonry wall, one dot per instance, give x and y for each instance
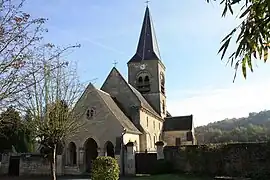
(245, 159)
(34, 165)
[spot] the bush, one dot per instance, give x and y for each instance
(163, 167)
(105, 168)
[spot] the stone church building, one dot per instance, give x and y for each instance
(127, 110)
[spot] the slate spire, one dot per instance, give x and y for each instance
(147, 48)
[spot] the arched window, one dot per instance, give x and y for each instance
(90, 113)
(146, 79)
(162, 81)
(140, 80)
(163, 107)
(143, 81)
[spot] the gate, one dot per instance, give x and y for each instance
(145, 163)
(14, 166)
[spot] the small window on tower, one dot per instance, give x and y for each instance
(146, 79)
(162, 81)
(163, 106)
(147, 121)
(140, 80)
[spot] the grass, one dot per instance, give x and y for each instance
(170, 177)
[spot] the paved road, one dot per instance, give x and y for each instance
(48, 178)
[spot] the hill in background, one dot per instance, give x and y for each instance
(254, 128)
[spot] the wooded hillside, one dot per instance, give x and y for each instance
(254, 128)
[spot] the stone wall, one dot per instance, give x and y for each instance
(31, 164)
(4, 164)
(34, 165)
(245, 159)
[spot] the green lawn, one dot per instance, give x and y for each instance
(170, 177)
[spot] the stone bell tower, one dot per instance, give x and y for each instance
(146, 72)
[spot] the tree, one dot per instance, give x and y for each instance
(253, 39)
(20, 51)
(50, 102)
(19, 35)
(15, 133)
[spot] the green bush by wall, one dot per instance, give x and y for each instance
(105, 168)
(239, 159)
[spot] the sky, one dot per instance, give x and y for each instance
(189, 34)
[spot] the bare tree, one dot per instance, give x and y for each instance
(21, 52)
(50, 100)
(19, 36)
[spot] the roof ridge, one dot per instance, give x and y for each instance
(191, 115)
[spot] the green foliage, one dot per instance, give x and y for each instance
(15, 132)
(163, 166)
(253, 37)
(105, 168)
(254, 128)
(226, 159)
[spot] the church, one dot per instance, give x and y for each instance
(128, 110)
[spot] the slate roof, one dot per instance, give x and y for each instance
(178, 123)
(168, 114)
(133, 90)
(143, 101)
(147, 48)
(120, 116)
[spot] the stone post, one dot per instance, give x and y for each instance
(67, 157)
(130, 160)
(160, 147)
(100, 151)
(4, 164)
(81, 155)
(80, 159)
(59, 165)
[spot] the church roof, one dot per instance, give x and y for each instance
(143, 101)
(147, 48)
(120, 116)
(178, 123)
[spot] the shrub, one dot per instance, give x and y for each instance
(105, 168)
(163, 167)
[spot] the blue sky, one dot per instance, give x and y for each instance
(189, 34)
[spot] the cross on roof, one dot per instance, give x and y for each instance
(147, 2)
(114, 63)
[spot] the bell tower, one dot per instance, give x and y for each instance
(146, 72)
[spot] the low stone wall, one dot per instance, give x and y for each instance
(34, 165)
(245, 159)
(31, 164)
(72, 170)
(4, 164)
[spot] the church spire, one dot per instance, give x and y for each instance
(147, 48)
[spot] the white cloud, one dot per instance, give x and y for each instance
(209, 105)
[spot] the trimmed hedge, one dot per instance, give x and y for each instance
(163, 166)
(105, 168)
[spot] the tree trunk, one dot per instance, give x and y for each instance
(53, 163)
